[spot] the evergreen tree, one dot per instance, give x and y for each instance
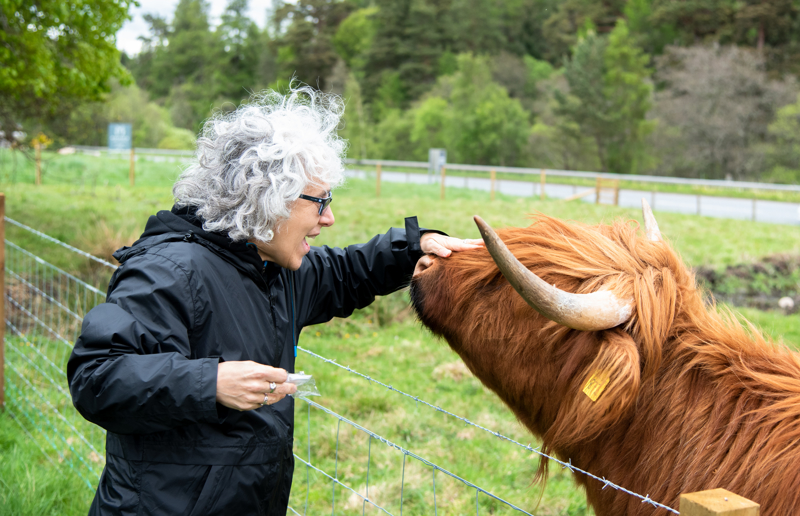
(411, 38)
(609, 98)
(305, 47)
(240, 40)
(762, 20)
(629, 93)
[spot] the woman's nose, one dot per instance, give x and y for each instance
(327, 219)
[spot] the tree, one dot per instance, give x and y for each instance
(609, 96)
(405, 52)
(570, 18)
(784, 150)
(698, 20)
(306, 48)
(240, 38)
(473, 117)
(715, 106)
(767, 19)
(56, 54)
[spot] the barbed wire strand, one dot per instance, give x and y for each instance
(62, 244)
(408, 453)
(565, 465)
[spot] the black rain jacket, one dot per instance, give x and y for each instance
(145, 365)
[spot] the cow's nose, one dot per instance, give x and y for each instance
(422, 264)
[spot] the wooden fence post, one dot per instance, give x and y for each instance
(2, 300)
(543, 180)
(38, 146)
(378, 180)
(444, 175)
(597, 191)
(716, 502)
(493, 176)
(132, 174)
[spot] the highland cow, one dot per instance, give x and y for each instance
(609, 354)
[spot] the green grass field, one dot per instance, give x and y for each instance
(383, 341)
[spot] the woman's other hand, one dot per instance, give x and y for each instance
(247, 385)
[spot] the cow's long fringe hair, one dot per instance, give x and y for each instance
(695, 400)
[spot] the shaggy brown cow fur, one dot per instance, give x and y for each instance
(695, 400)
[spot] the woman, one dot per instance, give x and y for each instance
(186, 363)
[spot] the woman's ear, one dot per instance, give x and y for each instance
(602, 394)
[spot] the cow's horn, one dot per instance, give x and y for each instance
(587, 312)
(650, 224)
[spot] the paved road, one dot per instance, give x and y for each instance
(722, 207)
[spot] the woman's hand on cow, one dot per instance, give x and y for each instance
(246, 385)
(443, 246)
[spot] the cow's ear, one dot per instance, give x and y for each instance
(602, 395)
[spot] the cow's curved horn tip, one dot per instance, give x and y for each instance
(479, 221)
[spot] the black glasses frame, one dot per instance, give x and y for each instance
(323, 201)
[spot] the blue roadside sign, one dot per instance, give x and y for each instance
(119, 136)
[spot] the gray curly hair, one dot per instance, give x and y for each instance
(251, 164)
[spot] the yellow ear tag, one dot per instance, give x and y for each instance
(596, 384)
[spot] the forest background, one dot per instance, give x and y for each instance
(690, 88)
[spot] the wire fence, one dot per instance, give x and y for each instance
(44, 310)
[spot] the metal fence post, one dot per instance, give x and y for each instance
(2, 301)
(444, 175)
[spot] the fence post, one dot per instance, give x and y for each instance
(493, 176)
(38, 146)
(754, 208)
(2, 301)
(133, 167)
(543, 179)
(444, 175)
(378, 180)
(716, 502)
(597, 191)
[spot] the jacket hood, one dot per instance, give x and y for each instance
(185, 221)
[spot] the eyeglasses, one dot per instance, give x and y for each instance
(323, 202)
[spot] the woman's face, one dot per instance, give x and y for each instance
(288, 247)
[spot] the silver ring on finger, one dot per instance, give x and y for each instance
(272, 387)
(266, 400)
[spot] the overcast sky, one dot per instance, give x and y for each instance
(127, 36)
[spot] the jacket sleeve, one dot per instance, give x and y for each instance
(131, 370)
(333, 282)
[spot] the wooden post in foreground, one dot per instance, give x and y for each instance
(378, 180)
(38, 146)
(444, 175)
(132, 175)
(716, 502)
(493, 178)
(543, 181)
(2, 301)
